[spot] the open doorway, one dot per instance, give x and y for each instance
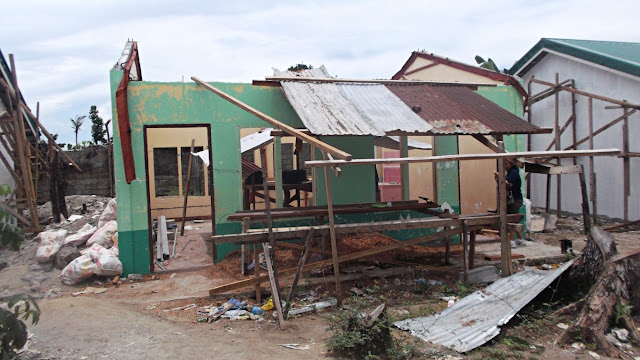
(167, 156)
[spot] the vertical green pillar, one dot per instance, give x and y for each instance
(446, 173)
(404, 168)
(277, 169)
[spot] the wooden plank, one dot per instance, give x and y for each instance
(256, 269)
(464, 157)
(586, 218)
(494, 147)
(603, 128)
(296, 277)
(465, 251)
(300, 247)
(320, 264)
(288, 129)
(404, 168)
(332, 233)
(246, 222)
(277, 170)
(505, 248)
(626, 166)
(590, 95)
(557, 147)
(472, 249)
(361, 81)
(273, 280)
(570, 169)
(18, 216)
(499, 257)
(186, 189)
(358, 228)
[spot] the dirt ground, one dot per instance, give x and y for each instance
(145, 318)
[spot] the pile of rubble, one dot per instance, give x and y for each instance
(79, 248)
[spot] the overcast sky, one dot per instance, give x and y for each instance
(64, 49)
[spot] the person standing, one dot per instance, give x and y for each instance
(514, 197)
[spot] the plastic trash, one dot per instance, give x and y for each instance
(268, 305)
(257, 311)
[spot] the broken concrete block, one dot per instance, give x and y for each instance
(134, 277)
(537, 224)
(481, 274)
(66, 255)
(550, 222)
(621, 334)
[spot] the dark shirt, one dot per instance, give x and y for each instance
(513, 177)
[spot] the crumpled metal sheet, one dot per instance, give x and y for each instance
(477, 318)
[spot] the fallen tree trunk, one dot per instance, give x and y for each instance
(613, 279)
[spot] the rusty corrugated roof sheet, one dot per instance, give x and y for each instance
(460, 110)
(477, 318)
(248, 168)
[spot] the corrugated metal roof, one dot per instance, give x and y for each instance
(476, 319)
(618, 55)
(325, 110)
(320, 72)
(248, 168)
(460, 110)
(351, 109)
(255, 140)
(383, 109)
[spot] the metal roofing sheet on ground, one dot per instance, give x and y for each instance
(476, 319)
(459, 110)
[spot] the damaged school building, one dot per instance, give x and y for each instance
(338, 120)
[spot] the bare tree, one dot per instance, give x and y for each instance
(76, 124)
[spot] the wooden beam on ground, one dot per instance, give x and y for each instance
(505, 248)
(464, 157)
(348, 257)
(186, 189)
(286, 128)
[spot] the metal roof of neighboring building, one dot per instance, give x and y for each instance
(460, 110)
(617, 55)
(255, 140)
(477, 318)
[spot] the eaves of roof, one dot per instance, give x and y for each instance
(621, 56)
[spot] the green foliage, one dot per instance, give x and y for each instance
(516, 343)
(620, 312)
(355, 338)
(10, 234)
(299, 67)
(97, 126)
(13, 331)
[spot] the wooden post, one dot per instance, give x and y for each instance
(472, 249)
(332, 232)
(37, 152)
(504, 240)
(246, 222)
(277, 169)
(256, 269)
(273, 280)
(465, 250)
(186, 189)
(404, 168)
(23, 150)
(556, 130)
(575, 120)
(528, 135)
(592, 174)
(586, 218)
(626, 165)
(296, 277)
(270, 249)
(548, 207)
(447, 246)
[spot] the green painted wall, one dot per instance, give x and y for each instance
(186, 103)
(446, 173)
(356, 183)
(509, 99)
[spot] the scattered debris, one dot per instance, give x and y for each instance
(296, 346)
(486, 274)
(134, 277)
(65, 255)
(562, 326)
(314, 306)
(90, 290)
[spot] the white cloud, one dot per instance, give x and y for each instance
(64, 50)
